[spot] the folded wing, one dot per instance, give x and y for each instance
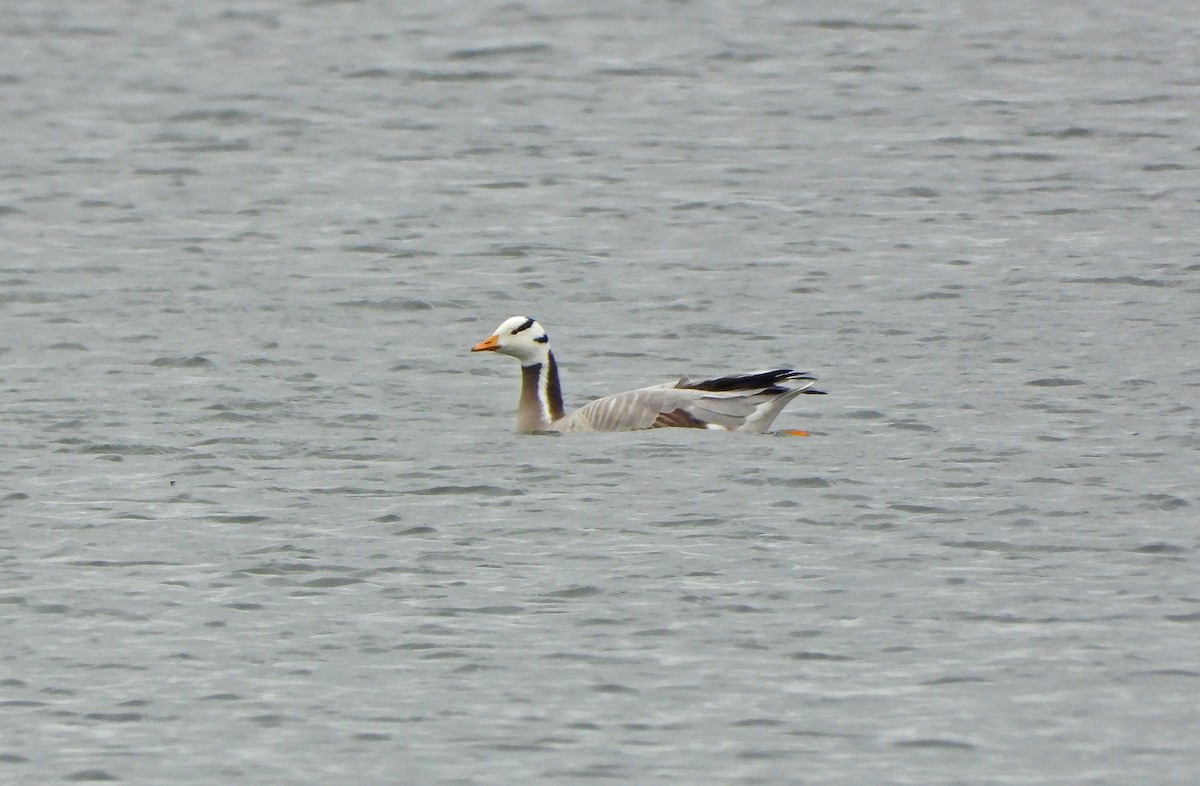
(748, 402)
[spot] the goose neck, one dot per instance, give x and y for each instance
(541, 396)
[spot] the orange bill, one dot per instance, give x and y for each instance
(489, 343)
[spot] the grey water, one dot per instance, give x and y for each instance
(265, 519)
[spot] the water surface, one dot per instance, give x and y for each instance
(266, 519)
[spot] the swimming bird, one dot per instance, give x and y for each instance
(743, 402)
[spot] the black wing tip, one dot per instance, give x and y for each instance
(769, 380)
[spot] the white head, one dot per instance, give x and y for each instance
(521, 337)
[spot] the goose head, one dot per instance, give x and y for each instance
(520, 337)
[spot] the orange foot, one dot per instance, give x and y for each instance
(795, 432)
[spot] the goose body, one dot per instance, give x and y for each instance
(743, 402)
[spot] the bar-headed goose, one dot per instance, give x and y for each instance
(747, 402)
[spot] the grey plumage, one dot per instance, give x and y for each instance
(749, 406)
